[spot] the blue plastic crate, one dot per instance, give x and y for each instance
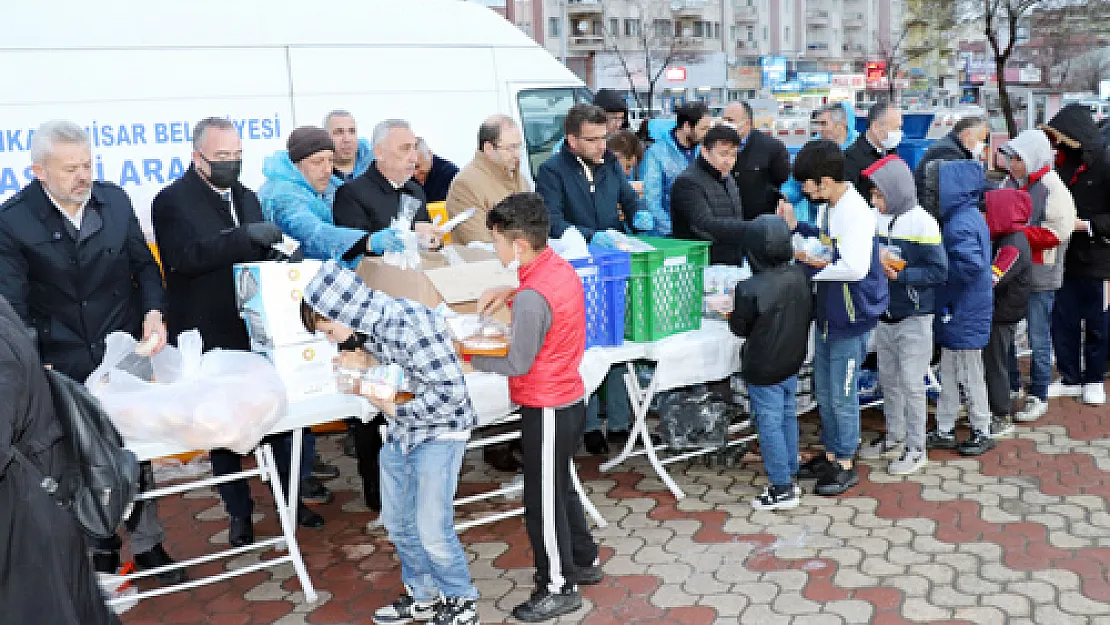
(604, 279)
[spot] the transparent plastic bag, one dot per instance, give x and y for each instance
(695, 419)
(479, 335)
(409, 257)
(220, 399)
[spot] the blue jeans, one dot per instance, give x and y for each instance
(618, 410)
(417, 493)
(1039, 320)
(836, 365)
(775, 409)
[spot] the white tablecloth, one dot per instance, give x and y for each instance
(705, 355)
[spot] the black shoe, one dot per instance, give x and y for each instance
(308, 518)
(837, 481)
(595, 443)
(240, 531)
(349, 448)
(617, 439)
(157, 557)
(501, 458)
(312, 491)
(979, 444)
(590, 575)
(544, 605)
(106, 562)
(937, 439)
(815, 468)
(324, 471)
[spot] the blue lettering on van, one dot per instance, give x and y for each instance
(9, 183)
(152, 170)
(15, 141)
(177, 169)
(129, 174)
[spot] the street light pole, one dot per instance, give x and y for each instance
(565, 23)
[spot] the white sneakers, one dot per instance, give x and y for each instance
(1094, 394)
(1059, 389)
(911, 461)
(1034, 409)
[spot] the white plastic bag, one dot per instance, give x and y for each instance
(220, 399)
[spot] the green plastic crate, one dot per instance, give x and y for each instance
(665, 289)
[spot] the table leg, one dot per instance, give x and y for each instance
(295, 469)
(287, 518)
(640, 399)
(584, 498)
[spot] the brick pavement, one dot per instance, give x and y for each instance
(1019, 536)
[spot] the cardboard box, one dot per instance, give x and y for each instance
(438, 281)
(305, 368)
(269, 295)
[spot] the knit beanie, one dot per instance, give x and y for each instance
(305, 141)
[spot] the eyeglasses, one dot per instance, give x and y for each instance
(509, 147)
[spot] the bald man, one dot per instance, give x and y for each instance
(762, 164)
(493, 175)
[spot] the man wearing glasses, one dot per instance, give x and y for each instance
(493, 175)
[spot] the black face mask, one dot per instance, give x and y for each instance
(224, 173)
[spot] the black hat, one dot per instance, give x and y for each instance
(305, 141)
(610, 101)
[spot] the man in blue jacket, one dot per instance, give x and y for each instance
(584, 186)
(353, 154)
(965, 305)
(670, 156)
(851, 295)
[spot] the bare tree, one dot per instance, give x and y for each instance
(1000, 25)
(657, 41)
(892, 53)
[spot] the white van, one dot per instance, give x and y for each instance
(139, 74)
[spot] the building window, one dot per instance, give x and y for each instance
(786, 33)
(614, 27)
(766, 35)
(677, 29)
(553, 25)
(632, 28)
(751, 34)
(716, 30)
(662, 28)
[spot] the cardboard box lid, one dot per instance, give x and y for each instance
(437, 281)
(464, 283)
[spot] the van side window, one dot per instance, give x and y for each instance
(542, 112)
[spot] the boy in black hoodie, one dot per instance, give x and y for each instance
(772, 310)
(1008, 212)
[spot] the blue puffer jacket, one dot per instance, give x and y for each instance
(663, 163)
(964, 305)
(303, 213)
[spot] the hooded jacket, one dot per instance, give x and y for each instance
(1008, 212)
(1053, 218)
(663, 162)
(947, 148)
(773, 308)
(364, 155)
(1084, 168)
(303, 213)
(409, 334)
(916, 235)
(964, 304)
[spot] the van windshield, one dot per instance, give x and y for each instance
(542, 112)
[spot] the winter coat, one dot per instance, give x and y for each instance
(663, 162)
(706, 206)
(363, 157)
(609, 202)
(199, 242)
(481, 184)
(964, 304)
(75, 287)
(304, 213)
(1084, 167)
(762, 166)
(915, 233)
(859, 157)
(1053, 219)
(370, 202)
(44, 564)
(947, 148)
(1008, 212)
(439, 179)
(773, 308)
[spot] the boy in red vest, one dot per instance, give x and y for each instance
(548, 340)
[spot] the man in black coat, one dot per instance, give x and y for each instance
(204, 223)
(75, 267)
(966, 142)
(371, 201)
(433, 172)
(762, 165)
(884, 133)
(705, 203)
(46, 573)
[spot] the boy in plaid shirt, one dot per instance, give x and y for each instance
(425, 442)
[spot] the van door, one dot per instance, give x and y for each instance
(541, 110)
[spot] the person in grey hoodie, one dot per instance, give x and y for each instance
(1029, 160)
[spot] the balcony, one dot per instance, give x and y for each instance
(587, 42)
(820, 49)
(745, 15)
(687, 8)
(747, 47)
(917, 20)
(584, 7)
(854, 21)
(817, 18)
(854, 49)
(920, 46)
